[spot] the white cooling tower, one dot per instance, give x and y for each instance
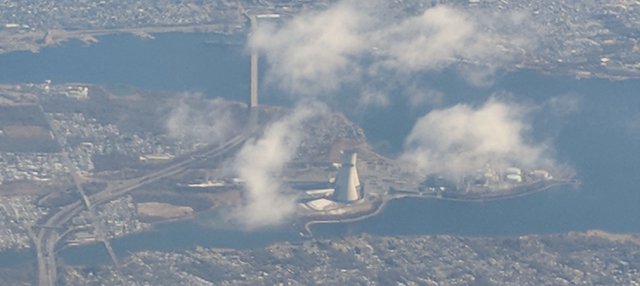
(347, 181)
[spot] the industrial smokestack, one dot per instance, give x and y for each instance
(253, 102)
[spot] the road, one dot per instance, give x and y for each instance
(95, 221)
(47, 238)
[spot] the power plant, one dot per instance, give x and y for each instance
(348, 187)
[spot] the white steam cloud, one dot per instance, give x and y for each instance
(317, 52)
(463, 139)
(314, 51)
(260, 163)
(196, 120)
(434, 39)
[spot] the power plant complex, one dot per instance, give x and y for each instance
(347, 189)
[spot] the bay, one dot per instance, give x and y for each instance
(600, 139)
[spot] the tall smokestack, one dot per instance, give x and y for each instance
(253, 103)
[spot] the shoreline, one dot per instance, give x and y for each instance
(378, 204)
(34, 41)
(386, 198)
(480, 198)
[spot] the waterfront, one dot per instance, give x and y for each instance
(600, 140)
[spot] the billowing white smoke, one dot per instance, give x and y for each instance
(195, 120)
(463, 139)
(316, 52)
(260, 163)
(440, 36)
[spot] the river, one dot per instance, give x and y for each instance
(601, 140)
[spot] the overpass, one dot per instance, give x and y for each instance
(47, 238)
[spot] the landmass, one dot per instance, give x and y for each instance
(576, 258)
(112, 140)
(85, 165)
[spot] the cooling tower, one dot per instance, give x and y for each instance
(347, 181)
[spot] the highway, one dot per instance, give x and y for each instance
(95, 222)
(48, 237)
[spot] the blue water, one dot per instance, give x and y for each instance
(178, 236)
(598, 140)
(175, 61)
